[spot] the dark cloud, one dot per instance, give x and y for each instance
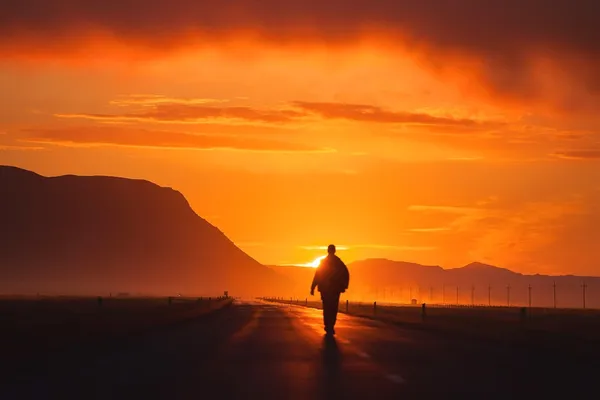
(119, 136)
(500, 38)
(470, 24)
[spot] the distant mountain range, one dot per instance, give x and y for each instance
(95, 234)
(386, 280)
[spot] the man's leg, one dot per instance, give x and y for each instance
(335, 304)
(327, 312)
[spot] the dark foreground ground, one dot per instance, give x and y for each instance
(272, 351)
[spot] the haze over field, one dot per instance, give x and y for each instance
(93, 235)
(434, 132)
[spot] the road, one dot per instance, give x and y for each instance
(269, 351)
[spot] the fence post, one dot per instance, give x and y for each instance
(423, 312)
(374, 308)
(346, 306)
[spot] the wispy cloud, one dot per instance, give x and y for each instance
(193, 113)
(161, 109)
(374, 114)
(578, 154)
(150, 100)
(21, 148)
(118, 136)
(428, 230)
(446, 209)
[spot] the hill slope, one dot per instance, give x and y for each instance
(74, 234)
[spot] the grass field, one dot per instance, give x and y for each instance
(481, 321)
(34, 326)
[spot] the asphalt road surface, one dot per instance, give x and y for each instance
(268, 351)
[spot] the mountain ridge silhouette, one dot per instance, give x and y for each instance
(100, 233)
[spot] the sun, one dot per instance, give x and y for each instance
(313, 264)
(316, 262)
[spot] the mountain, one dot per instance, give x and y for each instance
(98, 234)
(386, 280)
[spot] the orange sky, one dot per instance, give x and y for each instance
(382, 128)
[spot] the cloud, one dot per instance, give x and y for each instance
(20, 148)
(503, 44)
(445, 209)
(175, 110)
(154, 99)
(193, 113)
(93, 136)
(578, 155)
(369, 113)
(429, 230)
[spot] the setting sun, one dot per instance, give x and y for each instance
(316, 262)
(313, 264)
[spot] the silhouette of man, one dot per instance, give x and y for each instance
(332, 279)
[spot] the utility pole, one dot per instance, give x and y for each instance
(472, 295)
(529, 288)
(584, 286)
(554, 293)
(508, 295)
(489, 295)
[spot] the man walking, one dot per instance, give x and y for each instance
(332, 279)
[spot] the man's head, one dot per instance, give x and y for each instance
(331, 249)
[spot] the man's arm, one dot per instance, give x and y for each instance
(315, 281)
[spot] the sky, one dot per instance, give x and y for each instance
(435, 132)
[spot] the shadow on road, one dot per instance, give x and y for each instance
(331, 356)
(332, 380)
